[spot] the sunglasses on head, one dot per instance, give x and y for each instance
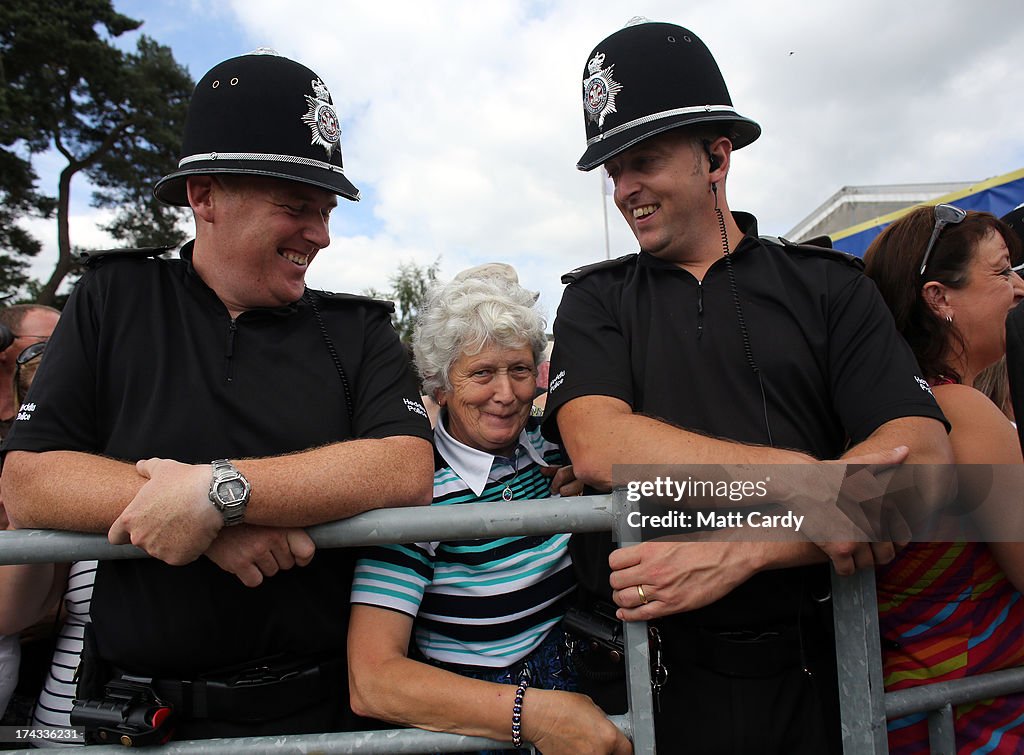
(33, 351)
(945, 214)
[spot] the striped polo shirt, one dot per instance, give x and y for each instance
(485, 602)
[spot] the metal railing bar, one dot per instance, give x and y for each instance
(638, 654)
(969, 689)
(941, 737)
(379, 741)
(401, 525)
(859, 661)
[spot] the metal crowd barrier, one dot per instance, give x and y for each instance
(404, 525)
(865, 705)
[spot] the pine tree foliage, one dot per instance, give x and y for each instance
(114, 116)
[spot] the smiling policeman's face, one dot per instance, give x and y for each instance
(661, 185)
(260, 237)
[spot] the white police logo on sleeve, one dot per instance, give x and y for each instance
(556, 382)
(415, 407)
(599, 90)
(322, 119)
(25, 413)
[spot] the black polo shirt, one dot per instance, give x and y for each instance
(146, 361)
(833, 366)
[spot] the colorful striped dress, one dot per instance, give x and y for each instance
(947, 611)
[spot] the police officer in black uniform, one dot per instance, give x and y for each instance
(713, 345)
(208, 408)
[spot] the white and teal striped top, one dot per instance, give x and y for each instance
(476, 602)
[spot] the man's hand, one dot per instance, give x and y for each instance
(171, 517)
(252, 553)
(876, 526)
(676, 576)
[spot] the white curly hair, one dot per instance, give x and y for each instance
(481, 306)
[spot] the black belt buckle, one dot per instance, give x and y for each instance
(262, 675)
(264, 691)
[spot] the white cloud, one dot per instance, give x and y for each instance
(85, 231)
(462, 121)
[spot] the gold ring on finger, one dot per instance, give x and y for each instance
(642, 594)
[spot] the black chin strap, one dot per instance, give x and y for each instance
(311, 298)
(748, 352)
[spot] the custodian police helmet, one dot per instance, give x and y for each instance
(260, 114)
(648, 78)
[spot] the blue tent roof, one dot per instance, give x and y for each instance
(997, 195)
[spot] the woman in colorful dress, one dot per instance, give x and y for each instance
(465, 636)
(954, 609)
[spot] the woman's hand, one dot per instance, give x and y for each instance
(563, 481)
(568, 723)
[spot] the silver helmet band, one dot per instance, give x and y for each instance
(658, 116)
(262, 158)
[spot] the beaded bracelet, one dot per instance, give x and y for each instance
(517, 711)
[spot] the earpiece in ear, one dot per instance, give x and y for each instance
(6, 337)
(712, 160)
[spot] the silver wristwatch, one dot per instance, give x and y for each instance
(229, 492)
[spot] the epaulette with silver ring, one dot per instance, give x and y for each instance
(353, 298)
(92, 256)
(819, 246)
(582, 272)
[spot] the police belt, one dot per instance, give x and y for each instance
(743, 652)
(260, 693)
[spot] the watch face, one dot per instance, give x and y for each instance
(231, 491)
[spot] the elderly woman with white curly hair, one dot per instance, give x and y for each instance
(488, 657)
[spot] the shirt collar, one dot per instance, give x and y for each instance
(746, 222)
(472, 465)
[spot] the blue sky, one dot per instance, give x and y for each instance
(462, 121)
(202, 35)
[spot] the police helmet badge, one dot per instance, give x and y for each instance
(599, 90)
(322, 119)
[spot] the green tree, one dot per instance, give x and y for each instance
(409, 289)
(18, 199)
(115, 116)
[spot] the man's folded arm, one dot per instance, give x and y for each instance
(86, 492)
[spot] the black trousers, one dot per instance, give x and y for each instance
(735, 696)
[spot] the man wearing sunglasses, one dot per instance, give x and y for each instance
(24, 331)
(208, 408)
(21, 325)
